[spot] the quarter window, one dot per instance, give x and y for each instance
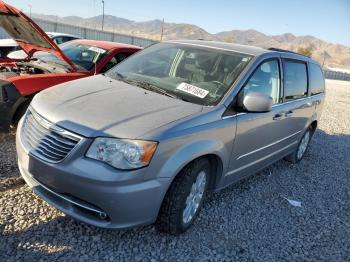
(266, 80)
(295, 80)
(316, 79)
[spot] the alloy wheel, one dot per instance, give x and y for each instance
(194, 198)
(303, 145)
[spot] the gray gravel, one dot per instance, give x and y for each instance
(251, 220)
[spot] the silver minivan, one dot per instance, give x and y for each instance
(143, 143)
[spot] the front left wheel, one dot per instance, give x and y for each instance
(184, 198)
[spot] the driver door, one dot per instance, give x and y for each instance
(260, 136)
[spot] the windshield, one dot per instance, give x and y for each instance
(195, 74)
(83, 56)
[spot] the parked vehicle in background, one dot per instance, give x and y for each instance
(170, 123)
(21, 79)
(58, 38)
(7, 46)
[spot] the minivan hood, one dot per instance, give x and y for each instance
(28, 35)
(101, 106)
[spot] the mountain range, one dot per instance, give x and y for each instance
(329, 54)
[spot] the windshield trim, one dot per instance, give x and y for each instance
(210, 47)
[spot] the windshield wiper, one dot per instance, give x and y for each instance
(120, 76)
(151, 87)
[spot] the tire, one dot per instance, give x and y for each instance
(172, 218)
(19, 113)
(303, 145)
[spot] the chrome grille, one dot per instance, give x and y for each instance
(45, 140)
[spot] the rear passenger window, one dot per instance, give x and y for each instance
(316, 79)
(295, 80)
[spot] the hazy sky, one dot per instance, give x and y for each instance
(326, 19)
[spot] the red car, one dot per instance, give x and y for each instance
(47, 64)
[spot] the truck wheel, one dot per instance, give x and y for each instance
(304, 142)
(184, 198)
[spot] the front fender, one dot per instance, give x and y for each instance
(31, 84)
(190, 151)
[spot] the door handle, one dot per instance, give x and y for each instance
(288, 114)
(278, 117)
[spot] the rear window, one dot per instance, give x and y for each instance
(295, 79)
(316, 79)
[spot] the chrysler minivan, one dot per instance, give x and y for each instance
(145, 142)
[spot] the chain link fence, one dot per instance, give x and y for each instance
(329, 74)
(88, 33)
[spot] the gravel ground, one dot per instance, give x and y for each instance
(251, 220)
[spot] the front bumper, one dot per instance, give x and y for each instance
(91, 191)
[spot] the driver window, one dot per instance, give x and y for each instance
(266, 80)
(114, 61)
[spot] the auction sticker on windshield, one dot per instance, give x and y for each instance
(193, 90)
(97, 50)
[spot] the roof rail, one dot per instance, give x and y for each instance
(286, 51)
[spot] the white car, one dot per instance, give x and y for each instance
(7, 46)
(16, 53)
(60, 38)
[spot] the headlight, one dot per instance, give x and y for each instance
(122, 153)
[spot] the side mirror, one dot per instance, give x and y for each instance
(257, 102)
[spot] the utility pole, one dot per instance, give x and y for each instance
(30, 11)
(325, 56)
(103, 13)
(162, 32)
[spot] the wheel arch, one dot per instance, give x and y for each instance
(21, 105)
(314, 125)
(216, 171)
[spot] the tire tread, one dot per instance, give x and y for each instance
(170, 214)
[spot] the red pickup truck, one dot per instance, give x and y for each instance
(46, 64)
